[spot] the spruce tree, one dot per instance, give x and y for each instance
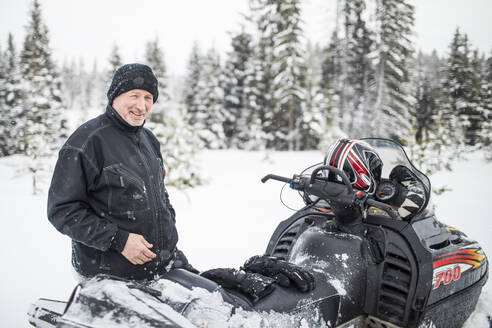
(12, 100)
(288, 72)
(209, 123)
(459, 93)
(237, 113)
(44, 126)
(71, 81)
(255, 125)
(179, 147)
(193, 84)
(4, 120)
(261, 16)
(359, 71)
(331, 69)
(315, 116)
(475, 111)
(115, 60)
(487, 128)
(169, 122)
(395, 20)
(428, 146)
(154, 57)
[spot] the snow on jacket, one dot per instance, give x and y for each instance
(108, 182)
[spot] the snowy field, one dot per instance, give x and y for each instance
(220, 224)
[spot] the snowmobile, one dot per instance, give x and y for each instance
(372, 268)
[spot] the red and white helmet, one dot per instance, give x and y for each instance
(360, 162)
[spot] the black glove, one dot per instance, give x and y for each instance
(282, 271)
(254, 285)
(181, 262)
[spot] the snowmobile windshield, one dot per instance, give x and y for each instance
(392, 154)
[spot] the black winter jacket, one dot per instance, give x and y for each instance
(108, 182)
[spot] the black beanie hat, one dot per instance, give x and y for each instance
(133, 76)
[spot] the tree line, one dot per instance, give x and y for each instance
(273, 90)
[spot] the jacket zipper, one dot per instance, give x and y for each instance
(160, 233)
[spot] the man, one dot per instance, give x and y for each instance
(107, 192)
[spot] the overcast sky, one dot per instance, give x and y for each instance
(87, 29)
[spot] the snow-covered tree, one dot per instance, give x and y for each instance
(331, 71)
(280, 26)
(44, 125)
(210, 118)
(70, 77)
(114, 61)
(459, 100)
(192, 83)
(487, 127)
(429, 147)
(11, 98)
(179, 147)
(395, 20)
(475, 112)
(359, 71)
(255, 130)
(348, 73)
(237, 113)
(316, 114)
(4, 120)
(261, 15)
(289, 74)
(154, 57)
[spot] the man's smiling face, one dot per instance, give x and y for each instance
(133, 106)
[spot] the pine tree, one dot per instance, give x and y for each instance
(44, 128)
(237, 112)
(459, 93)
(428, 147)
(261, 14)
(331, 69)
(154, 57)
(12, 100)
(210, 117)
(71, 82)
(315, 116)
(170, 124)
(115, 61)
(475, 112)
(193, 83)
(359, 71)
(179, 147)
(487, 127)
(4, 119)
(395, 20)
(255, 131)
(288, 72)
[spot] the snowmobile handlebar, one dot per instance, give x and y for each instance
(341, 193)
(338, 172)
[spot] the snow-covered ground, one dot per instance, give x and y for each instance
(220, 224)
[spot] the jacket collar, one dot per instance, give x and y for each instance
(120, 122)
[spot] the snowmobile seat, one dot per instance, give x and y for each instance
(283, 300)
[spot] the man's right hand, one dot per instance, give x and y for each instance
(137, 249)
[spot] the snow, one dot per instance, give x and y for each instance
(221, 224)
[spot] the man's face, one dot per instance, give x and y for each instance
(133, 106)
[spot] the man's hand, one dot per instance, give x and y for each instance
(137, 249)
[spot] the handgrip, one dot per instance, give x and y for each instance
(275, 177)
